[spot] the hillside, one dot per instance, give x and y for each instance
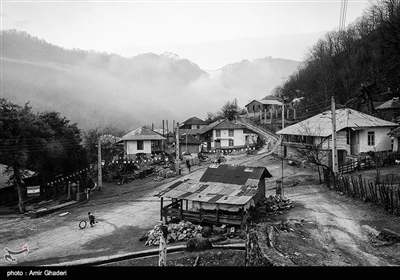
(94, 89)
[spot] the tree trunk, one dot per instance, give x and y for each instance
(20, 189)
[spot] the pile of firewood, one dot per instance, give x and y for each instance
(184, 230)
(272, 204)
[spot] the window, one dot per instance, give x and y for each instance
(218, 133)
(230, 133)
(230, 142)
(198, 126)
(371, 138)
(348, 137)
(140, 145)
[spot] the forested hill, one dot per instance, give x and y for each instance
(96, 89)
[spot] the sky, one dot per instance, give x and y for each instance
(209, 33)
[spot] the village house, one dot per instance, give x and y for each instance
(142, 143)
(225, 194)
(193, 123)
(356, 133)
(189, 144)
(268, 105)
(226, 135)
(8, 192)
(390, 110)
(395, 136)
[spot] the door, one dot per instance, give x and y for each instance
(218, 144)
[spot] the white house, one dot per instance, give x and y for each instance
(356, 133)
(227, 135)
(142, 142)
(395, 135)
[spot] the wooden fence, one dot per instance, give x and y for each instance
(381, 191)
(367, 161)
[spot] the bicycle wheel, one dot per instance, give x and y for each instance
(82, 224)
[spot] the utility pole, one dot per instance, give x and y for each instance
(283, 126)
(99, 176)
(334, 146)
(177, 148)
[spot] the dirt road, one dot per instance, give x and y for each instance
(332, 224)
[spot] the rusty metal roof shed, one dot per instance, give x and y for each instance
(217, 185)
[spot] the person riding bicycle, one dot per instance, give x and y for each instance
(91, 219)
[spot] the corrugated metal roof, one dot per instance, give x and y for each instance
(321, 124)
(142, 133)
(266, 102)
(195, 121)
(391, 104)
(4, 177)
(229, 174)
(222, 183)
(395, 132)
(211, 193)
(221, 124)
(209, 127)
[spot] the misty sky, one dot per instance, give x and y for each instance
(187, 28)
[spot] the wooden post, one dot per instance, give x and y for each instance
(162, 255)
(177, 148)
(161, 210)
(247, 251)
(99, 176)
(241, 218)
(217, 213)
(265, 115)
(334, 144)
(181, 209)
(69, 189)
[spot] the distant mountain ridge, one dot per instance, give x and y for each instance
(94, 89)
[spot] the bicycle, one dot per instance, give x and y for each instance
(83, 223)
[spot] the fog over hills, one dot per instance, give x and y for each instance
(96, 89)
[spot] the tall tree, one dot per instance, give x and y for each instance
(61, 151)
(21, 132)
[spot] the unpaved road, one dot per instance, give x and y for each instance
(332, 229)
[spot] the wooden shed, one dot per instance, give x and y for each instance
(223, 195)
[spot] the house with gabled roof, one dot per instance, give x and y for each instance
(223, 195)
(267, 103)
(227, 135)
(389, 110)
(193, 123)
(356, 133)
(189, 144)
(142, 142)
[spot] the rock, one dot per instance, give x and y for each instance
(198, 244)
(206, 231)
(181, 237)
